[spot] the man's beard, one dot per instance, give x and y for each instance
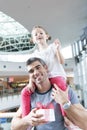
(41, 80)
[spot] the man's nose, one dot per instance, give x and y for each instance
(35, 71)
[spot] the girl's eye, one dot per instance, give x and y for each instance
(41, 33)
(35, 34)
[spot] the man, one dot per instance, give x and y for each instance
(76, 113)
(41, 98)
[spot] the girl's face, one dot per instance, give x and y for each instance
(39, 36)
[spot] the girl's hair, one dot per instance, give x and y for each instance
(35, 27)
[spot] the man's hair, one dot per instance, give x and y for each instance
(33, 59)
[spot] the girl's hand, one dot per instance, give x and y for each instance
(57, 44)
(31, 86)
(59, 96)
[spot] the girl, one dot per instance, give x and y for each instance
(52, 56)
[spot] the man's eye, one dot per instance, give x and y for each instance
(38, 67)
(30, 71)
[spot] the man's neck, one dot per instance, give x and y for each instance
(44, 87)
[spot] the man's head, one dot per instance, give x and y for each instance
(37, 70)
(31, 60)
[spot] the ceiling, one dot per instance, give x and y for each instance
(63, 19)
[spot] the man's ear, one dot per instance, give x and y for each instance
(46, 67)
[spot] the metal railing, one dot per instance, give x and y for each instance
(7, 114)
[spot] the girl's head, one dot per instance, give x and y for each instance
(39, 35)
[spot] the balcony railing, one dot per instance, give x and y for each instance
(7, 114)
(5, 120)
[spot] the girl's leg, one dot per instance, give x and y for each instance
(61, 83)
(25, 101)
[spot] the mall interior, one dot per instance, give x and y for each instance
(66, 21)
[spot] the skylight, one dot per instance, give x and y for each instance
(13, 36)
(14, 41)
(10, 27)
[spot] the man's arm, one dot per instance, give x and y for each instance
(27, 122)
(58, 52)
(78, 115)
(19, 123)
(75, 112)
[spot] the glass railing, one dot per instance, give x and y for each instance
(5, 120)
(7, 92)
(7, 114)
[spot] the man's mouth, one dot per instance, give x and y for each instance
(38, 79)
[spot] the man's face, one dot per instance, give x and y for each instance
(37, 72)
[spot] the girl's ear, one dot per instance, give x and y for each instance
(31, 41)
(47, 37)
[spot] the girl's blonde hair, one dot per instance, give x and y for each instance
(49, 37)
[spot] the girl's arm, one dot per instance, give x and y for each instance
(58, 51)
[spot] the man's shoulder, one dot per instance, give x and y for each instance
(71, 90)
(73, 96)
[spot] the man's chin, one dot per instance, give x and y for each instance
(38, 82)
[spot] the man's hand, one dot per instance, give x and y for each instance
(34, 119)
(59, 96)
